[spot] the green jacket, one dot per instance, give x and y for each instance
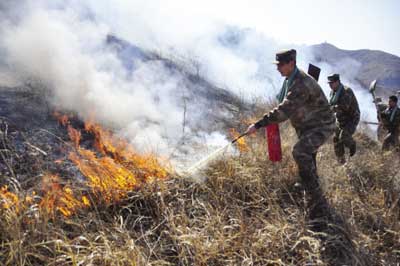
(390, 120)
(346, 109)
(305, 105)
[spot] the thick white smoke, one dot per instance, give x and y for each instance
(63, 45)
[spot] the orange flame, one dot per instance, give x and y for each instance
(62, 119)
(74, 135)
(8, 199)
(241, 143)
(56, 198)
(117, 169)
(59, 198)
(112, 172)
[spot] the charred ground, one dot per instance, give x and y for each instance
(246, 212)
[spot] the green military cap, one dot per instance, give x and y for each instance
(333, 78)
(285, 56)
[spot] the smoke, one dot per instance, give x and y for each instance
(66, 52)
(348, 69)
(63, 45)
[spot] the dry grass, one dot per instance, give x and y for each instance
(245, 213)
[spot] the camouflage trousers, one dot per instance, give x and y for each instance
(391, 141)
(305, 152)
(343, 138)
(381, 132)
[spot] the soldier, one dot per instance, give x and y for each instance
(345, 106)
(391, 122)
(303, 102)
(380, 131)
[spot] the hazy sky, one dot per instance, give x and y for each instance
(356, 24)
(92, 79)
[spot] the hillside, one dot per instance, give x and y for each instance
(217, 104)
(246, 212)
(74, 193)
(378, 65)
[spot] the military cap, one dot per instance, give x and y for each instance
(333, 78)
(285, 56)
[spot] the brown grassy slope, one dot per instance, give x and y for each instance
(372, 65)
(245, 213)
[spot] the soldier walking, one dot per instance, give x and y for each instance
(391, 122)
(380, 132)
(305, 105)
(345, 106)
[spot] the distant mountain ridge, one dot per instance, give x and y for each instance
(374, 64)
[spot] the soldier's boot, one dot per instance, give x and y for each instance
(387, 143)
(319, 212)
(350, 143)
(339, 152)
(353, 149)
(309, 181)
(317, 204)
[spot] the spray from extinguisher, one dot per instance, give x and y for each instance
(203, 162)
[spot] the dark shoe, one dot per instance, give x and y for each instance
(319, 212)
(353, 150)
(318, 205)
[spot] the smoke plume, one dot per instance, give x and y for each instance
(63, 45)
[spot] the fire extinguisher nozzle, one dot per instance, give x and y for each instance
(241, 136)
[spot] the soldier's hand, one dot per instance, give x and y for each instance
(251, 130)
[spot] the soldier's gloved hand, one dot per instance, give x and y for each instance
(251, 129)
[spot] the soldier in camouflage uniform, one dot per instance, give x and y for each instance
(380, 132)
(345, 106)
(303, 102)
(391, 122)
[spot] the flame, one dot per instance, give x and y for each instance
(241, 143)
(119, 170)
(112, 171)
(11, 200)
(62, 118)
(59, 198)
(8, 199)
(74, 135)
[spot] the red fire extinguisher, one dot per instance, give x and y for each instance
(274, 142)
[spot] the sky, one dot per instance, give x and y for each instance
(356, 24)
(91, 79)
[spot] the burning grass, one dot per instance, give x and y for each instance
(112, 170)
(247, 212)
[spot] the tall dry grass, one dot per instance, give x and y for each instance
(246, 212)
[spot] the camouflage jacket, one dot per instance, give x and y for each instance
(305, 105)
(394, 125)
(346, 109)
(381, 107)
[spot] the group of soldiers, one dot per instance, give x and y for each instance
(316, 119)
